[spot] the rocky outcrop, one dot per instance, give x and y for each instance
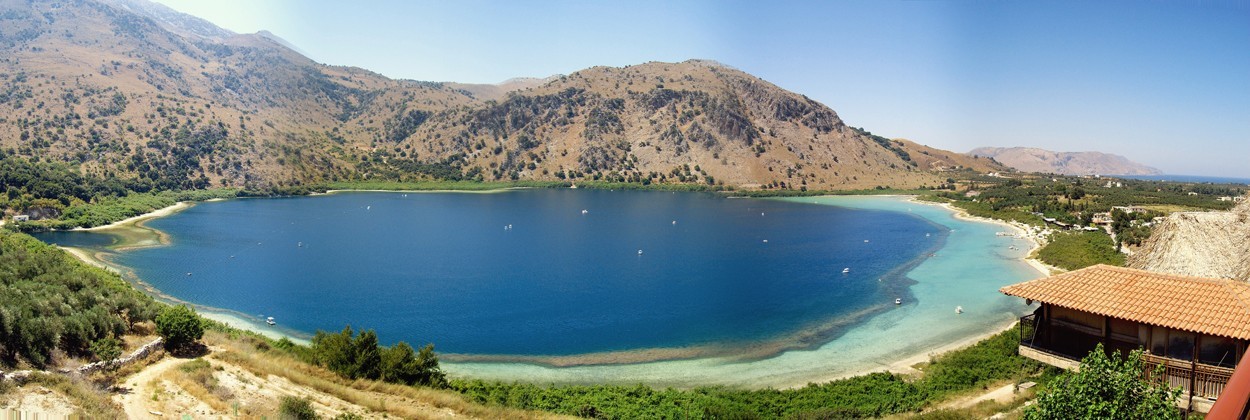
(1204, 244)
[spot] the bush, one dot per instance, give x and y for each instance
(1106, 388)
(180, 326)
(401, 365)
(359, 356)
(292, 408)
(50, 301)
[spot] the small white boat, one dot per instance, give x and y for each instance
(898, 301)
(846, 270)
(188, 273)
(368, 207)
(926, 235)
(674, 222)
(765, 241)
(865, 241)
(761, 213)
(584, 211)
(270, 321)
(640, 252)
(959, 309)
(301, 244)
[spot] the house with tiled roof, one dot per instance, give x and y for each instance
(1196, 328)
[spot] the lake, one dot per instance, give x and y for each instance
(570, 280)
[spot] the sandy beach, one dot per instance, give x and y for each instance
(162, 212)
(1036, 237)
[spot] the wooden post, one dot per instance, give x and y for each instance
(1193, 373)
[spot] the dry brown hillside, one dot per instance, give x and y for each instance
(137, 91)
(1029, 159)
(1210, 244)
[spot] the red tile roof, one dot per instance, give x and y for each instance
(1218, 307)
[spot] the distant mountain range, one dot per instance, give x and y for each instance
(136, 90)
(1028, 159)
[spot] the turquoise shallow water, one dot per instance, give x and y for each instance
(967, 271)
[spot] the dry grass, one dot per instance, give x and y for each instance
(197, 378)
(392, 399)
(91, 401)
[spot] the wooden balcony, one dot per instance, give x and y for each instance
(1200, 383)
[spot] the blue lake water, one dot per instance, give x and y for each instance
(744, 284)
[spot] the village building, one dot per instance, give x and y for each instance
(1197, 329)
(1131, 209)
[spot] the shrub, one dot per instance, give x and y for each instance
(179, 325)
(293, 408)
(1106, 388)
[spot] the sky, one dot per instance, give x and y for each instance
(1164, 83)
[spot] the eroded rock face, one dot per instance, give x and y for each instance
(1209, 244)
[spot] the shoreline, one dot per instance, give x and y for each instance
(1022, 230)
(134, 220)
(901, 364)
(905, 364)
(490, 191)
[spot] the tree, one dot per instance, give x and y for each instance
(179, 325)
(427, 363)
(367, 362)
(399, 364)
(1106, 388)
(334, 351)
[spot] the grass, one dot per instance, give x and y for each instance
(92, 401)
(1076, 250)
(256, 355)
(197, 377)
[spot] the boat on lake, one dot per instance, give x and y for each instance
(270, 321)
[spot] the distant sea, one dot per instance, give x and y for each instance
(1188, 178)
(625, 286)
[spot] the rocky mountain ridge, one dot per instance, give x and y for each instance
(132, 90)
(1029, 159)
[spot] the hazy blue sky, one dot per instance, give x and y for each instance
(1166, 83)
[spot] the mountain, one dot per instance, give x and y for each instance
(132, 90)
(1028, 159)
(1202, 244)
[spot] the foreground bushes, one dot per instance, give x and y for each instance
(359, 356)
(49, 301)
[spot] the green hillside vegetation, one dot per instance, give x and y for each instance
(1076, 250)
(1075, 200)
(51, 303)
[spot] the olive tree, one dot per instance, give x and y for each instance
(179, 325)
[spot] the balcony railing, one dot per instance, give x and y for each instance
(1204, 380)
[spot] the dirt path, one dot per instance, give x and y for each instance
(139, 388)
(155, 392)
